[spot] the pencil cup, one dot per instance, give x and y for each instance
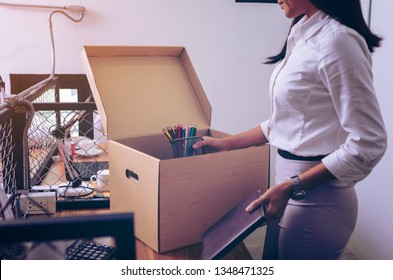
(182, 147)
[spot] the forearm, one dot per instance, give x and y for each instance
(315, 177)
(249, 138)
(311, 178)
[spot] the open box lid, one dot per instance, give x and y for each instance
(141, 89)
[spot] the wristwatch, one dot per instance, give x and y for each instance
(297, 191)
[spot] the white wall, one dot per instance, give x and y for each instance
(227, 43)
(372, 238)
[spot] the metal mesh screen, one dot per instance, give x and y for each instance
(63, 149)
(67, 149)
(78, 149)
(42, 144)
(40, 140)
(7, 162)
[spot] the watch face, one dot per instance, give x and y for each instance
(298, 195)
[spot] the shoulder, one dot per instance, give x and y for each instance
(335, 36)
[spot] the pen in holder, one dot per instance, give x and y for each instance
(182, 147)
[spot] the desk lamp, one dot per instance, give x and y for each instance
(75, 184)
(56, 10)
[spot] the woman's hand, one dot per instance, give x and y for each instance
(276, 197)
(275, 200)
(219, 144)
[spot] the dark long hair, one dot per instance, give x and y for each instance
(347, 12)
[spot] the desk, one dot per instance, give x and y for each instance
(144, 252)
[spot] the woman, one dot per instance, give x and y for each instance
(326, 124)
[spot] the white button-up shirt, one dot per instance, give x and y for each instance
(323, 99)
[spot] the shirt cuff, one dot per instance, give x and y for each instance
(345, 167)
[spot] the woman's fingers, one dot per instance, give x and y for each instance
(198, 144)
(206, 141)
(255, 204)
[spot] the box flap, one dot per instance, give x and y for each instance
(140, 90)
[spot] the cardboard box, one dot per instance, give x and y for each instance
(139, 91)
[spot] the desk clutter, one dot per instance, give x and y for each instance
(81, 173)
(172, 211)
(77, 176)
(82, 147)
(88, 169)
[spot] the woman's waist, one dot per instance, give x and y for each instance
(291, 156)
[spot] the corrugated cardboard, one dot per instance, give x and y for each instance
(139, 91)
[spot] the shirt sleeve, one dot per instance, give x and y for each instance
(345, 68)
(264, 128)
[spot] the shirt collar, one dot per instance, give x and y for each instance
(305, 28)
(309, 26)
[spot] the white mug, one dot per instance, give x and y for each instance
(85, 144)
(102, 179)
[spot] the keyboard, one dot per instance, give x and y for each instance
(88, 250)
(88, 168)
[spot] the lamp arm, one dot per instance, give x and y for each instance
(81, 15)
(81, 11)
(73, 8)
(32, 6)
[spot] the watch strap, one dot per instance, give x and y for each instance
(297, 190)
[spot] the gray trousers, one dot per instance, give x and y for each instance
(317, 227)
